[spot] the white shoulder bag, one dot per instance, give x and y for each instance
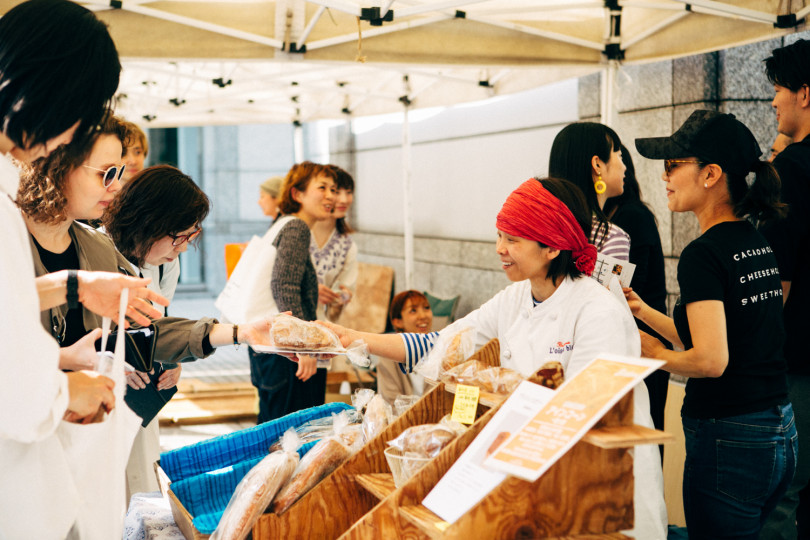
(97, 454)
(247, 295)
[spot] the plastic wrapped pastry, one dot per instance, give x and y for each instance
(255, 491)
(291, 332)
(451, 349)
(376, 417)
(425, 440)
(493, 379)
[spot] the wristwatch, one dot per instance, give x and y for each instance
(73, 289)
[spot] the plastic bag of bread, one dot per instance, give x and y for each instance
(404, 402)
(292, 336)
(492, 379)
(377, 416)
(448, 422)
(317, 429)
(362, 397)
(425, 440)
(256, 490)
(326, 456)
(452, 348)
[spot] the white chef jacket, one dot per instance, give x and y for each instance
(577, 323)
(38, 498)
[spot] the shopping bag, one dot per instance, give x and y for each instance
(97, 455)
(247, 295)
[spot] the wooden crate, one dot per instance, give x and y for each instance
(587, 494)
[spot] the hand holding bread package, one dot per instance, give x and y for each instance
(292, 336)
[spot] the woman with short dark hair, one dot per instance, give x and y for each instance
(544, 250)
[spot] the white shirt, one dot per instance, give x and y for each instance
(166, 286)
(577, 323)
(335, 264)
(38, 498)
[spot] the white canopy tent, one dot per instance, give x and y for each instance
(203, 62)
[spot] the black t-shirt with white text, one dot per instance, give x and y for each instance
(733, 263)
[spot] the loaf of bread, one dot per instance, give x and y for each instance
(424, 440)
(326, 456)
(454, 354)
(253, 495)
(293, 333)
(492, 379)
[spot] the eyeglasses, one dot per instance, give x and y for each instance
(178, 239)
(669, 164)
(110, 175)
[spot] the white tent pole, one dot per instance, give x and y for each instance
(407, 196)
(298, 142)
(608, 82)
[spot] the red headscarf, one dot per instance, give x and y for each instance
(532, 212)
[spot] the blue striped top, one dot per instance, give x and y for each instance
(417, 346)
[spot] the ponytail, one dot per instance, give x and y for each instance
(761, 201)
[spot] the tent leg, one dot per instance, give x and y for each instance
(608, 110)
(407, 198)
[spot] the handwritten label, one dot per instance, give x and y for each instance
(465, 404)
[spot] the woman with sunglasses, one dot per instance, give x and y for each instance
(738, 423)
(75, 183)
(589, 154)
(155, 217)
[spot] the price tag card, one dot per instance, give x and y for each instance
(465, 404)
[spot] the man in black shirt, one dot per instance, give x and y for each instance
(789, 71)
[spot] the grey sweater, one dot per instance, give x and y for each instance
(294, 283)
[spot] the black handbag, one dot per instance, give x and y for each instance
(139, 346)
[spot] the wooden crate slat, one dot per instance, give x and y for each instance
(381, 485)
(428, 522)
(626, 436)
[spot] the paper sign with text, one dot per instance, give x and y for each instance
(575, 407)
(607, 266)
(465, 404)
(467, 481)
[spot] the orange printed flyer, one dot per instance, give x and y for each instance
(575, 407)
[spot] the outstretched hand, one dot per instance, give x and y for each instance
(650, 347)
(633, 300)
(100, 292)
(256, 332)
(345, 334)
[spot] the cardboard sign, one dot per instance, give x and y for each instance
(575, 407)
(465, 404)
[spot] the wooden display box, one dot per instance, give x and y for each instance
(587, 494)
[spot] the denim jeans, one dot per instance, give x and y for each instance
(737, 468)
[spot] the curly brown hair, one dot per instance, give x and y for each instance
(298, 177)
(41, 195)
(156, 202)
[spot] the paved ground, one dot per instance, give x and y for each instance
(226, 365)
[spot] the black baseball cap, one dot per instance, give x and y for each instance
(710, 136)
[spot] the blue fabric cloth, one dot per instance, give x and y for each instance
(227, 450)
(205, 475)
(737, 468)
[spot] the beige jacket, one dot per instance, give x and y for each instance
(179, 340)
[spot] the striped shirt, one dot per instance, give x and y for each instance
(616, 244)
(417, 346)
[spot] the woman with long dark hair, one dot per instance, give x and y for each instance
(738, 422)
(589, 155)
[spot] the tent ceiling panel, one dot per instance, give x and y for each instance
(193, 62)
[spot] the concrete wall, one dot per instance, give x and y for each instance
(653, 100)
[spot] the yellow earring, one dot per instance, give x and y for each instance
(599, 186)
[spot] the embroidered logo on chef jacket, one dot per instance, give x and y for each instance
(561, 347)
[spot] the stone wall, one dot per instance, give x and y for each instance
(653, 100)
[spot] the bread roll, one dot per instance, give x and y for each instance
(290, 332)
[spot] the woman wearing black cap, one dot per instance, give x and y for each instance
(737, 420)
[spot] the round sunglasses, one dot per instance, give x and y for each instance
(110, 175)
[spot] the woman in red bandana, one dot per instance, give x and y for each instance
(552, 311)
